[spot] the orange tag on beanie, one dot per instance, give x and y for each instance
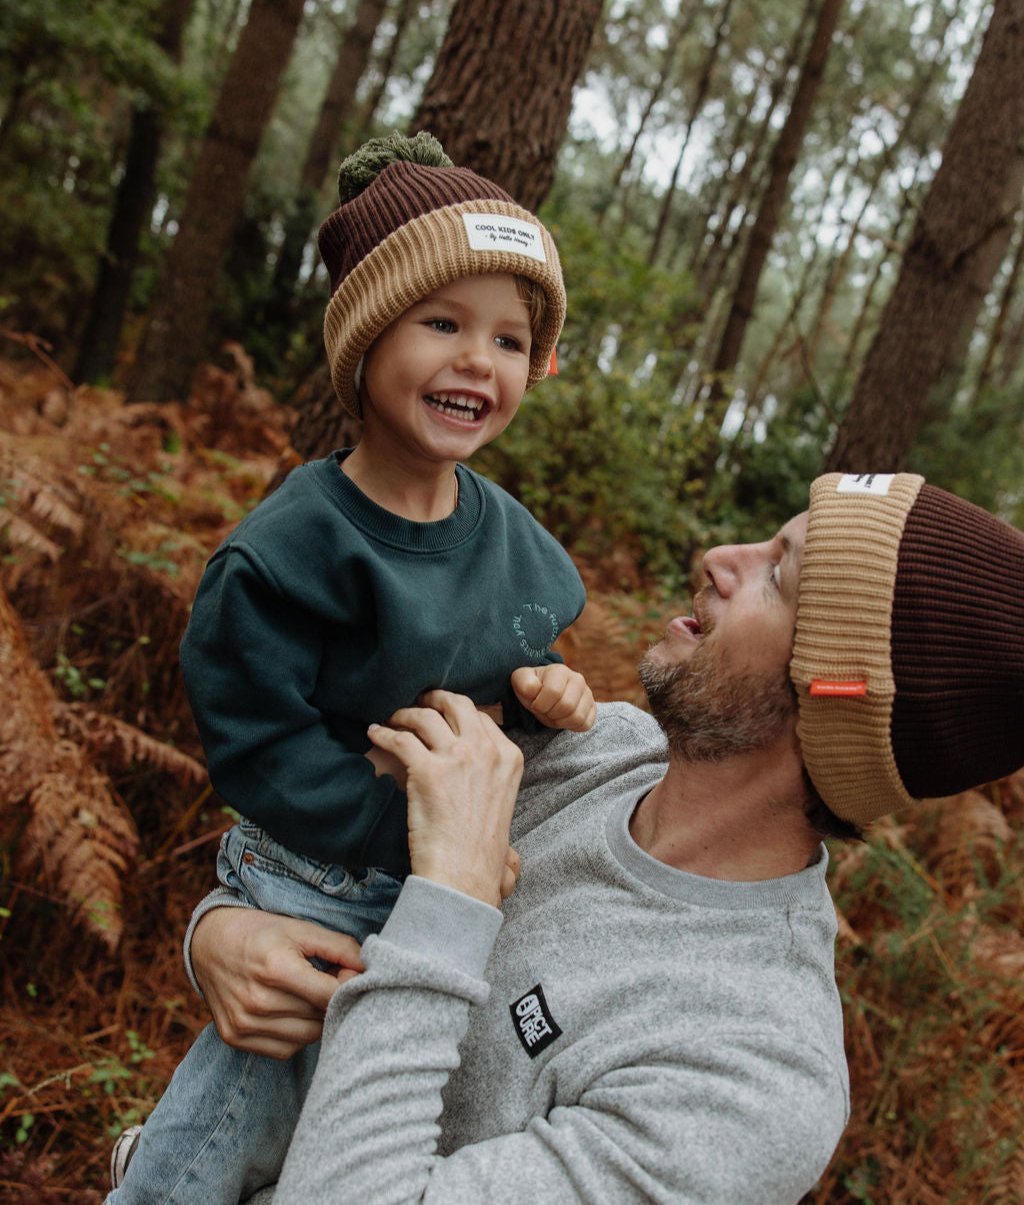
(553, 364)
(823, 689)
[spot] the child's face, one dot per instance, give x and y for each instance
(447, 376)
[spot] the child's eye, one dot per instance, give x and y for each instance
(445, 325)
(509, 343)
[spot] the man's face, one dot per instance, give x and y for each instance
(718, 683)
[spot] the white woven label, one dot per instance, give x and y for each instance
(865, 483)
(495, 232)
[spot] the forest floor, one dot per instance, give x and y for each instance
(107, 514)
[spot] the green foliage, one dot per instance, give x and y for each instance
(605, 455)
(69, 74)
(977, 451)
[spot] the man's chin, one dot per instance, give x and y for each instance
(708, 715)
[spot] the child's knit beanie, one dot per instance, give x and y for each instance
(409, 223)
(908, 660)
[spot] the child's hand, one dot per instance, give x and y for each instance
(557, 695)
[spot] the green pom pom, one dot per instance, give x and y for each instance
(362, 167)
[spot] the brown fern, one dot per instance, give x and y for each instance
(72, 825)
(119, 745)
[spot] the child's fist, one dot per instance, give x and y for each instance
(557, 695)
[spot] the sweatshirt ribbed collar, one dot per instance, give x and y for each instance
(388, 528)
(801, 890)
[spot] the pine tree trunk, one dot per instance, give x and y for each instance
(999, 327)
(710, 253)
(961, 234)
(175, 339)
(784, 157)
(133, 204)
(384, 66)
(684, 20)
(353, 56)
(501, 91)
(699, 97)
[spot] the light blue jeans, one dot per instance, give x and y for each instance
(222, 1128)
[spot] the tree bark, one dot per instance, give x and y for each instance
(699, 97)
(501, 91)
(710, 253)
(175, 338)
(133, 204)
(784, 157)
(683, 22)
(999, 327)
(385, 65)
(961, 235)
(353, 56)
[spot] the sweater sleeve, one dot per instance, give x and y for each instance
(749, 1118)
(250, 659)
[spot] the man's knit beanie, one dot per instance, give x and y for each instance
(409, 223)
(909, 653)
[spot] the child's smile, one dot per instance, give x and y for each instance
(447, 376)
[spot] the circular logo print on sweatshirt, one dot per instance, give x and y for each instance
(536, 627)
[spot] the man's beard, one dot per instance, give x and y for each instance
(708, 716)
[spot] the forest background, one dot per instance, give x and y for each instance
(792, 237)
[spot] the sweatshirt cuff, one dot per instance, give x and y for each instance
(439, 922)
(220, 897)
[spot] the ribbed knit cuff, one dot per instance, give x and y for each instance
(843, 638)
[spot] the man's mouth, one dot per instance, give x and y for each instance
(469, 408)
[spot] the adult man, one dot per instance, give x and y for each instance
(656, 1019)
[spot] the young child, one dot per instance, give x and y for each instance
(365, 579)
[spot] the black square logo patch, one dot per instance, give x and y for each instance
(533, 1022)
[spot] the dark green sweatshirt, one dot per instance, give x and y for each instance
(323, 612)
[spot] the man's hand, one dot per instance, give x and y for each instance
(462, 776)
(254, 969)
(557, 695)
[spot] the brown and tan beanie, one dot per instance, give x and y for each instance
(410, 222)
(909, 653)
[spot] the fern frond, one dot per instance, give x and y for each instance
(83, 840)
(121, 745)
(21, 533)
(49, 504)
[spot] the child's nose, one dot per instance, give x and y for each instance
(474, 355)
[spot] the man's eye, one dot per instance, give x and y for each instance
(777, 577)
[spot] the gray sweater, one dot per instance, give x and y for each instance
(622, 1032)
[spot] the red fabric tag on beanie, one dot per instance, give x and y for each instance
(823, 689)
(553, 365)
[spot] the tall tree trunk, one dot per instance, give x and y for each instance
(175, 337)
(892, 246)
(784, 157)
(708, 252)
(961, 235)
(881, 167)
(699, 97)
(501, 92)
(133, 204)
(683, 23)
(353, 56)
(999, 326)
(385, 65)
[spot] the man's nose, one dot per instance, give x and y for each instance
(727, 565)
